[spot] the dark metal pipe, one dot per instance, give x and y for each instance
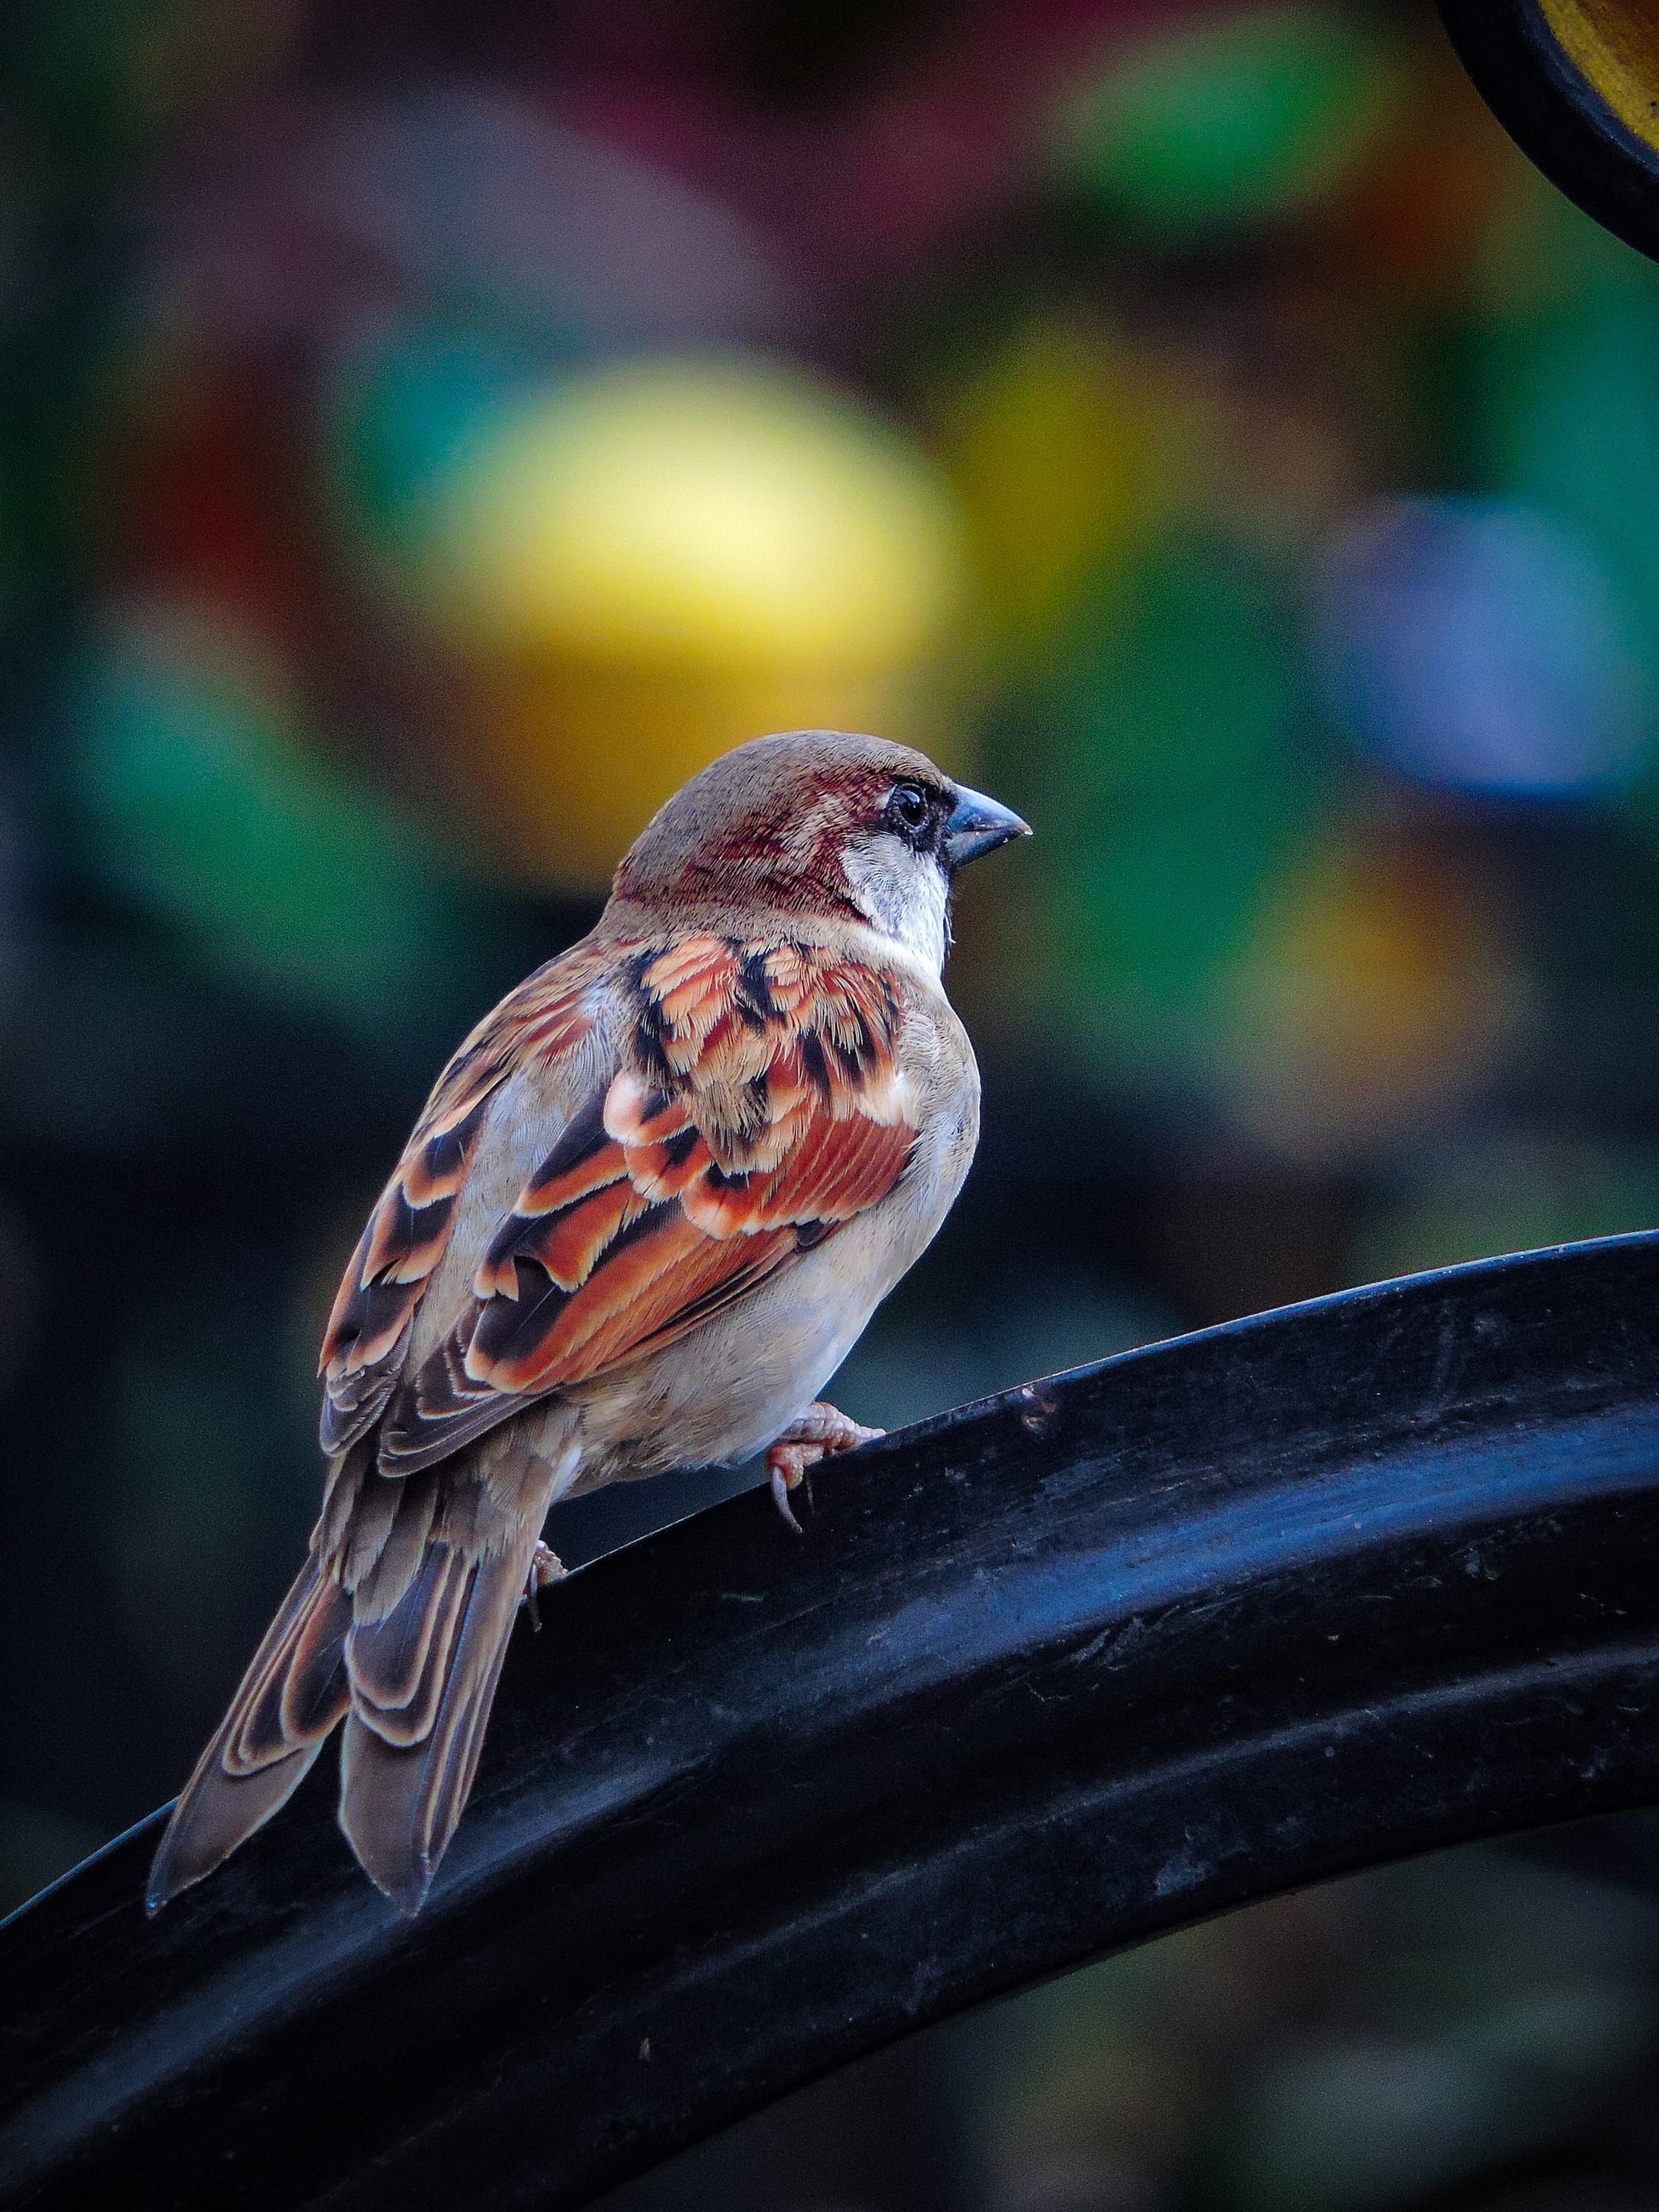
(1052, 1674)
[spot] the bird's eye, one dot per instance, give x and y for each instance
(907, 809)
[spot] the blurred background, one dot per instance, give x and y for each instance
(431, 431)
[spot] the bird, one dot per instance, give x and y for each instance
(648, 1209)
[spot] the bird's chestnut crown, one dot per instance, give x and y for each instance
(820, 822)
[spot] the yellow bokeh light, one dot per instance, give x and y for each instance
(648, 564)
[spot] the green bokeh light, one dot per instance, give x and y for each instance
(1176, 728)
(196, 798)
(401, 410)
(1219, 124)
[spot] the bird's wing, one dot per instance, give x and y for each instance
(759, 1104)
(368, 1327)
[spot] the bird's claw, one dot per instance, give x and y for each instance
(781, 1498)
(545, 1566)
(819, 1433)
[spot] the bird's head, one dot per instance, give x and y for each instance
(821, 822)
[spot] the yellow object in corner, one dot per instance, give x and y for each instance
(1614, 46)
(645, 564)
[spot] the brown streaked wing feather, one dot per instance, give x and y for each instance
(409, 1229)
(761, 1107)
(639, 1297)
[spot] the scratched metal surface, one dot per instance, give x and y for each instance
(1050, 1675)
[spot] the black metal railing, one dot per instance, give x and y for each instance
(1053, 1674)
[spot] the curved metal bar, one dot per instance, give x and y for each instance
(1053, 1674)
(1576, 84)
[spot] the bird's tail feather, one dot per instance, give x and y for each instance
(398, 1625)
(422, 1682)
(291, 1698)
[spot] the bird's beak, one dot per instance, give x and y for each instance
(977, 826)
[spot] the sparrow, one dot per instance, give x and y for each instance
(646, 1212)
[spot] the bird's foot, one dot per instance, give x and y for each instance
(545, 1566)
(818, 1433)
